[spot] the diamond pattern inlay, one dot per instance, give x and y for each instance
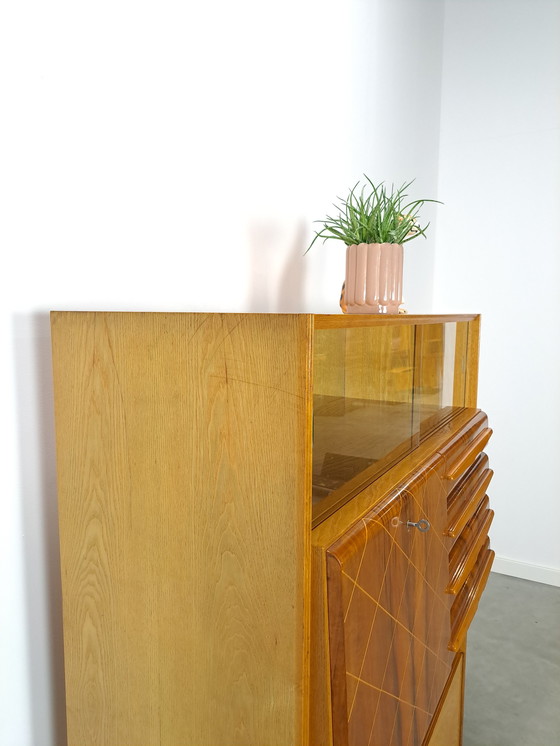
(389, 619)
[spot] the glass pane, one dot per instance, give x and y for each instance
(378, 391)
(363, 401)
(439, 382)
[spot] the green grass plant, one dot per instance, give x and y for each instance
(374, 214)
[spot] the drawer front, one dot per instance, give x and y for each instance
(468, 455)
(464, 553)
(463, 449)
(389, 618)
(467, 495)
(468, 522)
(465, 605)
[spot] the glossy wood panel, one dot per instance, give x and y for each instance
(389, 618)
(465, 551)
(454, 449)
(183, 447)
(469, 455)
(468, 495)
(466, 603)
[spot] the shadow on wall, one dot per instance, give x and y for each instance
(277, 267)
(35, 411)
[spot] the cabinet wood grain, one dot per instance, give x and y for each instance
(390, 617)
(466, 499)
(236, 494)
(469, 456)
(448, 720)
(465, 605)
(182, 449)
(465, 551)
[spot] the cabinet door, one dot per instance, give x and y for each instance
(389, 617)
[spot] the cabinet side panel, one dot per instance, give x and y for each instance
(182, 448)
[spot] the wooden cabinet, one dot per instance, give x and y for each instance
(273, 527)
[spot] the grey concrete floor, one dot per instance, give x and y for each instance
(512, 695)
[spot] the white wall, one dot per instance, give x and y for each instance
(498, 249)
(144, 145)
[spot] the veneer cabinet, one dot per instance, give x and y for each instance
(273, 527)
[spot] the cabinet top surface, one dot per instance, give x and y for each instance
(321, 320)
(333, 321)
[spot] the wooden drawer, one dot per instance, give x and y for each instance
(468, 455)
(461, 452)
(467, 495)
(465, 605)
(469, 520)
(465, 551)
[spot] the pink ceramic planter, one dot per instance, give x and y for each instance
(374, 274)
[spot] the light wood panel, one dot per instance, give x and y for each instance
(183, 463)
(460, 396)
(347, 321)
(320, 684)
(473, 350)
(448, 722)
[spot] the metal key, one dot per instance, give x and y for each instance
(422, 525)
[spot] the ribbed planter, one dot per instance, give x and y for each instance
(374, 273)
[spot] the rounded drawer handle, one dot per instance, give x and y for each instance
(422, 525)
